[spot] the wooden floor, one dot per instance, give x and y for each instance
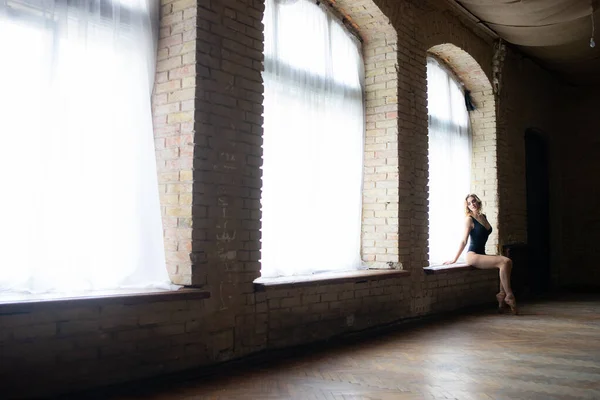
(551, 351)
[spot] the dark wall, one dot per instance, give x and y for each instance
(581, 188)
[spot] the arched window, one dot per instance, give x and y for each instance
(83, 211)
(313, 141)
(449, 160)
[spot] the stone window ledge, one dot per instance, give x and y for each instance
(261, 284)
(24, 302)
(445, 269)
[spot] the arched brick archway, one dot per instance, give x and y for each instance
(484, 170)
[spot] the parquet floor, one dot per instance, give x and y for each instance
(551, 351)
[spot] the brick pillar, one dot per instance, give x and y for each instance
(380, 188)
(228, 154)
(484, 175)
(173, 111)
(380, 182)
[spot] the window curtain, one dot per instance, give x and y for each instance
(449, 161)
(79, 208)
(313, 142)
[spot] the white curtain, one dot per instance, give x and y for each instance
(79, 208)
(313, 142)
(449, 161)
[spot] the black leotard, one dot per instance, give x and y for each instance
(479, 236)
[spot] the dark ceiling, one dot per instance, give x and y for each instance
(555, 32)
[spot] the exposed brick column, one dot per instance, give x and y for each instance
(380, 181)
(208, 127)
(413, 147)
(380, 188)
(227, 173)
(173, 111)
(484, 167)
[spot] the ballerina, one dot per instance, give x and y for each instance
(479, 229)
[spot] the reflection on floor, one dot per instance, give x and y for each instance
(551, 351)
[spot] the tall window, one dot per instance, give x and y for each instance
(313, 142)
(79, 208)
(449, 161)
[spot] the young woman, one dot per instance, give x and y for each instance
(478, 229)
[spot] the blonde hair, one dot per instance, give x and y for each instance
(477, 200)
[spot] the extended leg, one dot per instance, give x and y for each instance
(504, 265)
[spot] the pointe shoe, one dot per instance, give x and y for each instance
(501, 303)
(512, 303)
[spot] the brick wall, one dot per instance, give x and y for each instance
(301, 313)
(208, 107)
(69, 345)
(527, 100)
(453, 290)
(580, 201)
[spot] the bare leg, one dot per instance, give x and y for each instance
(504, 265)
(500, 296)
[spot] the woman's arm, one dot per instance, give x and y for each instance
(463, 242)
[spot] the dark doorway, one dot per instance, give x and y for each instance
(538, 212)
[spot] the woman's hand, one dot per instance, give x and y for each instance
(449, 262)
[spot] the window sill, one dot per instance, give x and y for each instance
(261, 284)
(445, 269)
(22, 302)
